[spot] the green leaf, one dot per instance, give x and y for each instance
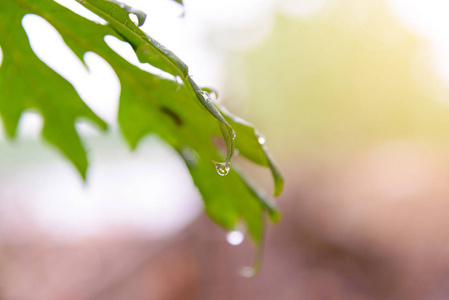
(179, 112)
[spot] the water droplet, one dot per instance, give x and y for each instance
(247, 272)
(261, 139)
(134, 19)
(163, 48)
(233, 134)
(213, 95)
(235, 237)
(222, 168)
(205, 95)
(236, 152)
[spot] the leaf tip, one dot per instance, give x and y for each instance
(278, 185)
(274, 215)
(83, 174)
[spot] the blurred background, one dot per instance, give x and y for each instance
(352, 97)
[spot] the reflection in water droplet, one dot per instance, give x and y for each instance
(134, 19)
(213, 95)
(235, 237)
(236, 152)
(222, 168)
(261, 139)
(247, 272)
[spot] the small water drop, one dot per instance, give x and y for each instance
(236, 152)
(247, 272)
(222, 168)
(261, 139)
(213, 95)
(235, 237)
(233, 134)
(205, 95)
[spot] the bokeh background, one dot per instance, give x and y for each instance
(352, 97)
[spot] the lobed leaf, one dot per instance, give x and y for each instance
(179, 112)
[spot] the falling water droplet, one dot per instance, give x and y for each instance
(222, 168)
(261, 139)
(247, 272)
(235, 237)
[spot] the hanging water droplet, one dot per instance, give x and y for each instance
(261, 139)
(235, 237)
(236, 152)
(222, 168)
(247, 272)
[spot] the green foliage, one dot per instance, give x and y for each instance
(176, 110)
